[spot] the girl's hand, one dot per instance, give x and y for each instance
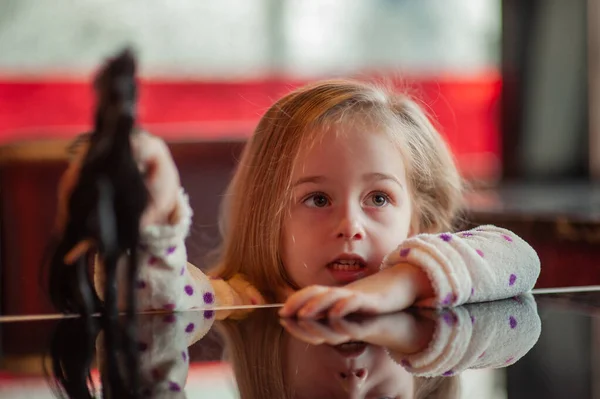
(318, 301)
(402, 332)
(160, 175)
(389, 290)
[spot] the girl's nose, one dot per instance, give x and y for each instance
(350, 230)
(353, 379)
(349, 226)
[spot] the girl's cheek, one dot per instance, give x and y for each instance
(306, 214)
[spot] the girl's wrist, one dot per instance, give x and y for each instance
(412, 282)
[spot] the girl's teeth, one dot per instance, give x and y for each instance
(345, 266)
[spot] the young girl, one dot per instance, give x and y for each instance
(343, 201)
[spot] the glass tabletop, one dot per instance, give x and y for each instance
(545, 345)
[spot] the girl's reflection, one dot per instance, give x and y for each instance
(298, 362)
(402, 355)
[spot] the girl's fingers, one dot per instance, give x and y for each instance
(160, 176)
(298, 299)
(294, 329)
(322, 303)
(346, 306)
(346, 327)
(323, 332)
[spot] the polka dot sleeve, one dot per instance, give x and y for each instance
(484, 264)
(165, 280)
(486, 335)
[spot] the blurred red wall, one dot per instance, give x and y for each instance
(465, 107)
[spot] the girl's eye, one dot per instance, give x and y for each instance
(379, 200)
(317, 201)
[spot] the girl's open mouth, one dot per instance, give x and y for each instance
(347, 265)
(345, 271)
(351, 349)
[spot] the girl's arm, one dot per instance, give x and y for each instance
(484, 264)
(431, 270)
(165, 279)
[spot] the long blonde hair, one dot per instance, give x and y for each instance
(256, 200)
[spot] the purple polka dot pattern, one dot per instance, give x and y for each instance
(170, 318)
(140, 285)
(449, 318)
(182, 271)
(472, 319)
(189, 290)
(208, 314)
(512, 279)
(169, 306)
(142, 346)
(507, 238)
(472, 291)
(467, 234)
(170, 250)
(184, 356)
(404, 252)
(517, 299)
(448, 373)
(189, 328)
(152, 260)
(449, 299)
(174, 387)
(513, 322)
(208, 297)
(446, 237)
(480, 253)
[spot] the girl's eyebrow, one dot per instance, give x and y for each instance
(376, 176)
(309, 179)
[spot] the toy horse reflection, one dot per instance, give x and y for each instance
(103, 217)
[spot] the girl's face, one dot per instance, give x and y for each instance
(352, 370)
(351, 207)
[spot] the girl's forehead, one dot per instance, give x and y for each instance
(352, 148)
(346, 139)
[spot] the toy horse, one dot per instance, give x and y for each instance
(107, 201)
(103, 217)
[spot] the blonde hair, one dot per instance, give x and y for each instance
(255, 349)
(255, 202)
(437, 387)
